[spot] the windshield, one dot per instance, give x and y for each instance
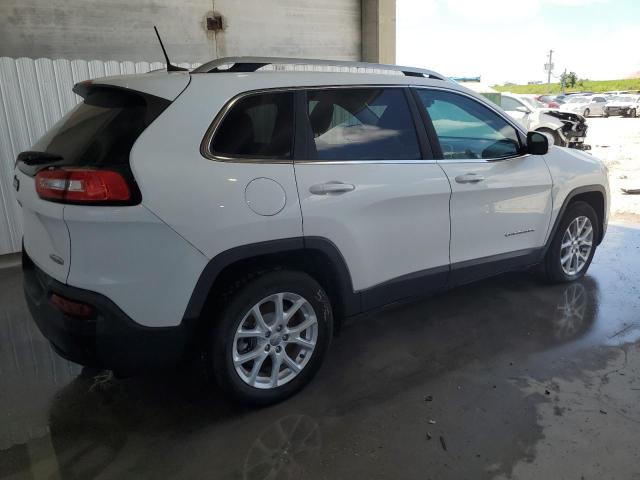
(578, 100)
(533, 103)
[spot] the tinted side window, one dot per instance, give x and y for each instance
(467, 129)
(509, 103)
(259, 125)
(362, 124)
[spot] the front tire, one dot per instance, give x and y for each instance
(573, 244)
(586, 112)
(271, 337)
(634, 113)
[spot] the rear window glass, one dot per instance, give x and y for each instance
(257, 126)
(102, 129)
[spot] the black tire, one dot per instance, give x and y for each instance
(219, 357)
(605, 114)
(634, 113)
(552, 263)
(586, 112)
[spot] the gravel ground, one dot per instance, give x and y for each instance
(616, 141)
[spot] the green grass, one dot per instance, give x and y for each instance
(584, 85)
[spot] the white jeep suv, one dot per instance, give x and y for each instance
(241, 214)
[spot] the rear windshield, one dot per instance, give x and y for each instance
(101, 130)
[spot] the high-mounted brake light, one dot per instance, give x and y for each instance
(82, 185)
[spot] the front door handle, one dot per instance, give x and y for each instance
(469, 178)
(331, 187)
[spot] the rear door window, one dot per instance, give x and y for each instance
(257, 126)
(361, 124)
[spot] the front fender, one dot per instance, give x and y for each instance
(574, 172)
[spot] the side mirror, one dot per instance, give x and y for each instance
(537, 143)
(523, 109)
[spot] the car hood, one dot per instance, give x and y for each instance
(620, 104)
(563, 115)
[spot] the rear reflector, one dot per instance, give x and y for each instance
(74, 309)
(82, 185)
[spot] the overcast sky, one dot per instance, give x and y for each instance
(508, 40)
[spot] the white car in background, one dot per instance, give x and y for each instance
(585, 105)
(626, 106)
(566, 129)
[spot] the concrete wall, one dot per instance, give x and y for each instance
(379, 31)
(122, 30)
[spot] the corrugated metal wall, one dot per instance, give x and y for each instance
(34, 94)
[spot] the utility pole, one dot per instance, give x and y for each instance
(549, 68)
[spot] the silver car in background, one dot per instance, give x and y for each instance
(585, 105)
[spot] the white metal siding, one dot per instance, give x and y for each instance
(34, 94)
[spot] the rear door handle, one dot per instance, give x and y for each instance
(469, 178)
(331, 187)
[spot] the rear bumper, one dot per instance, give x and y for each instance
(109, 340)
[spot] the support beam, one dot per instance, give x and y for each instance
(379, 31)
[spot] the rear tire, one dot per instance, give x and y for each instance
(252, 324)
(573, 244)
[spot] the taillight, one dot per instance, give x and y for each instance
(82, 185)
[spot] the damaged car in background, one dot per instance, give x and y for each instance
(628, 106)
(567, 129)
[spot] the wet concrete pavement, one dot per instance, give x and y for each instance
(506, 378)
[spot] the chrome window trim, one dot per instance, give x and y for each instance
(363, 162)
(205, 144)
(490, 106)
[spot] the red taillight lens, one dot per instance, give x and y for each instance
(82, 185)
(74, 309)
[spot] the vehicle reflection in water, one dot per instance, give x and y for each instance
(91, 424)
(282, 450)
(573, 310)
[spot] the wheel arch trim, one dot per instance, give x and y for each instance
(596, 188)
(349, 301)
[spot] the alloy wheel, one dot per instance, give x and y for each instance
(275, 340)
(576, 245)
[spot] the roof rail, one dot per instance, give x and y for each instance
(251, 64)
